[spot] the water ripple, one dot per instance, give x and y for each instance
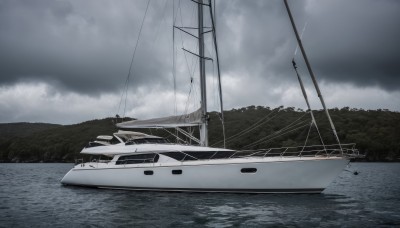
(31, 195)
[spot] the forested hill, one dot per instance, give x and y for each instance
(376, 133)
(10, 130)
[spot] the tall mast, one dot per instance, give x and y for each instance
(203, 127)
(312, 74)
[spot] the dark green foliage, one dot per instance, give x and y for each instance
(376, 132)
(62, 143)
(12, 130)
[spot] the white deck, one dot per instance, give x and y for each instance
(121, 148)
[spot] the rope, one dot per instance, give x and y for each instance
(131, 64)
(249, 129)
(173, 54)
(190, 69)
(288, 127)
(308, 134)
(278, 135)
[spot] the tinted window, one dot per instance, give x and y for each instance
(199, 155)
(114, 141)
(147, 140)
(177, 171)
(178, 156)
(223, 154)
(138, 159)
(248, 170)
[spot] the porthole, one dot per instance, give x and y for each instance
(248, 170)
(177, 171)
(148, 172)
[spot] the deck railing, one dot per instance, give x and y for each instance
(346, 150)
(334, 150)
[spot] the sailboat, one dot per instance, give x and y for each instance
(138, 161)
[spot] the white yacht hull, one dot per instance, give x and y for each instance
(273, 175)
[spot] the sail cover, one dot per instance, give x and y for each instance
(191, 119)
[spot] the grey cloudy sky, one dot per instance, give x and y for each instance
(66, 61)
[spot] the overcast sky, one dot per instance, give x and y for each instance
(66, 61)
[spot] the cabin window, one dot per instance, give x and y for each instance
(148, 172)
(177, 171)
(179, 156)
(223, 154)
(146, 141)
(248, 170)
(138, 159)
(114, 140)
(199, 155)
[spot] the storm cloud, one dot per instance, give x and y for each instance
(65, 52)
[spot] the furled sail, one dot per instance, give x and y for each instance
(191, 119)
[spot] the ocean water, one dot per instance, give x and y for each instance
(31, 196)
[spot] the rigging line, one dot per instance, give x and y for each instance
(179, 12)
(259, 123)
(290, 125)
(175, 135)
(215, 19)
(159, 25)
(243, 133)
(303, 90)
(308, 134)
(214, 86)
(277, 133)
(269, 140)
(249, 129)
(174, 54)
(194, 63)
(283, 129)
(262, 140)
(193, 60)
(188, 98)
(202, 57)
(218, 68)
(133, 56)
(301, 37)
(187, 63)
(190, 91)
(240, 134)
(182, 43)
(122, 95)
(182, 30)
